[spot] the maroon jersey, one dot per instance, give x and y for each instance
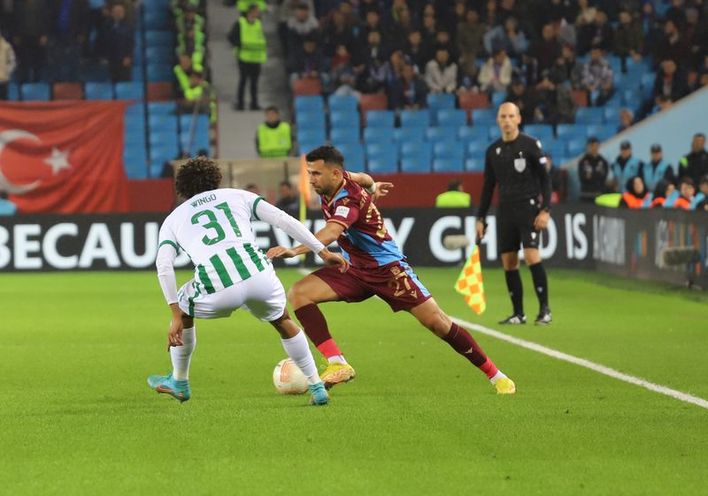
(365, 242)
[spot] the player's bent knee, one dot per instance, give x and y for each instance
(297, 295)
(187, 321)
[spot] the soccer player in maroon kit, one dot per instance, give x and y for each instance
(377, 268)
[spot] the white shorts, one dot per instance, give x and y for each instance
(261, 294)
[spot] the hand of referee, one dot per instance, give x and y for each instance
(541, 220)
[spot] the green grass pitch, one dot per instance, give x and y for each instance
(76, 416)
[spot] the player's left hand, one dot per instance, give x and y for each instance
(334, 259)
(382, 189)
(280, 252)
(541, 220)
(174, 334)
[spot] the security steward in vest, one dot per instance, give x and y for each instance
(273, 138)
(657, 169)
(249, 44)
(516, 163)
(454, 197)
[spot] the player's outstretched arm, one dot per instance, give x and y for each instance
(376, 189)
(330, 232)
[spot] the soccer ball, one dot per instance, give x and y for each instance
(288, 378)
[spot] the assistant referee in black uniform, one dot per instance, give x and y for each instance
(516, 162)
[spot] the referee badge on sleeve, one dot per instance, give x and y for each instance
(520, 164)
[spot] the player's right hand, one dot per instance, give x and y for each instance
(333, 259)
(481, 229)
(280, 252)
(174, 334)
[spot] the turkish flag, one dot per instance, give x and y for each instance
(63, 157)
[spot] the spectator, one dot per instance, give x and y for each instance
(69, 32)
(416, 52)
(528, 70)
(301, 25)
(407, 92)
(547, 50)
(671, 46)
(496, 72)
(443, 40)
(629, 39)
(308, 63)
(662, 191)
(626, 119)
(657, 169)
(687, 190)
(248, 37)
(522, 97)
(593, 170)
(441, 74)
(695, 163)
(337, 33)
(428, 32)
(596, 34)
(470, 36)
(696, 35)
(509, 36)
(635, 193)
(454, 197)
(192, 44)
(625, 166)
(555, 103)
(702, 203)
(598, 77)
(341, 79)
(31, 28)
(372, 78)
(669, 82)
(402, 26)
(289, 200)
(188, 18)
(372, 23)
(118, 37)
(566, 69)
(7, 65)
(273, 138)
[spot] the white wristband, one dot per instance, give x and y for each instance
(371, 189)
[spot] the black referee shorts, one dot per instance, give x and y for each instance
(515, 226)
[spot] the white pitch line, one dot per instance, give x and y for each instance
(596, 367)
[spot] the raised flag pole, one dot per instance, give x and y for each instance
(304, 188)
(470, 283)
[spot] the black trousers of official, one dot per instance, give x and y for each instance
(248, 72)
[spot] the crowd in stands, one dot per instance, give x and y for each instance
(631, 183)
(538, 51)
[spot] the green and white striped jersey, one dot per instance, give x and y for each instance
(214, 229)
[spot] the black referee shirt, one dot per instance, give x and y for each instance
(519, 168)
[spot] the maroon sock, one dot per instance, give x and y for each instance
(462, 342)
(315, 326)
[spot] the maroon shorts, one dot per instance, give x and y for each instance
(395, 283)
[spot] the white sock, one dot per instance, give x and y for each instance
(337, 359)
(298, 349)
(182, 355)
(497, 376)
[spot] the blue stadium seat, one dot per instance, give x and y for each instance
(570, 131)
(647, 79)
(344, 118)
(159, 38)
(611, 114)
(451, 118)
(134, 124)
(602, 131)
(157, 5)
(200, 143)
(473, 133)
(448, 165)
(162, 108)
(343, 103)
(163, 54)
(160, 123)
(379, 118)
(344, 135)
(135, 162)
(156, 20)
(309, 103)
(135, 109)
(543, 132)
(556, 149)
(589, 115)
(13, 92)
(200, 123)
(310, 120)
(162, 152)
(494, 133)
(449, 149)
(159, 72)
(386, 161)
(166, 139)
(498, 97)
(134, 136)
(415, 118)
(576, 146)
(38, 92)
(130, 90)
(437, 101)
(378, 135)
(417, 149)
(474, 165)
(484, 116)
(403, 134)
(476, 148)
(441, 133)
(137, 73)
(353, 156)
(415, 164)
(373, 149)
(306, 146)
(311, 135)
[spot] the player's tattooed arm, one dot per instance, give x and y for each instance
(329, 233)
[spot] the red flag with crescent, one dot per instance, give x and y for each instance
(63, 157)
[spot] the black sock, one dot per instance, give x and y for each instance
(516, 290)
(540, 284)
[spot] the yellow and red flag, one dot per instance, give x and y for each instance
(470, 285)
(304, 187)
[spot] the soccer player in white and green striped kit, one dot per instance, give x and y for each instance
(213, 226)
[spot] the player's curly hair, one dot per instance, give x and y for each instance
(199, 174)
